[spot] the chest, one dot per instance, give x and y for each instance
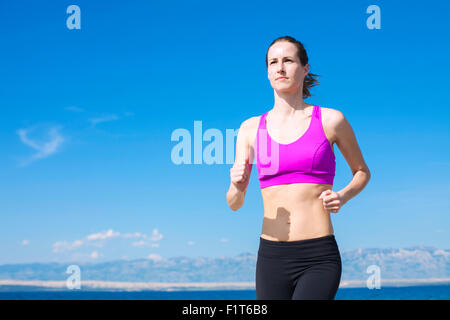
(287, 134)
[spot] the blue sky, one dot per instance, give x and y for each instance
(87, 117)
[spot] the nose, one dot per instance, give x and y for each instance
(281, 67)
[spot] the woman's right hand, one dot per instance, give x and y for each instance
(240, 175)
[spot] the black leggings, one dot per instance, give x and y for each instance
(296, 270)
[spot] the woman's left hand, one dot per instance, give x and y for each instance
(332, 201)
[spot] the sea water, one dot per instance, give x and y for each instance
(431, 292)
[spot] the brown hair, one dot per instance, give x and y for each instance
(309, 80)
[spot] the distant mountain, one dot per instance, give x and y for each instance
(417, 262)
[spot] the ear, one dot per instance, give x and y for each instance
(306, 69)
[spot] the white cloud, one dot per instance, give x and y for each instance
(98, 240)
(25, 242)
(107, 118)
(103, 235)
(77, 243)
(44, 149)
(156, 236)
(155, 257)
(62, 246)
(140, 243)
(134, 235)
(94, 255)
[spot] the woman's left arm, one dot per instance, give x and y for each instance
(346, 141)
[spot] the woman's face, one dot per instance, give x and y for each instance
(284, 68)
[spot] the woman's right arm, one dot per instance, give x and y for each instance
(241, 170)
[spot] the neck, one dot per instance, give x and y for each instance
(287, 104)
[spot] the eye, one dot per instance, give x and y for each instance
(284, 60)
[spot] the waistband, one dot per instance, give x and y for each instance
(309, 248)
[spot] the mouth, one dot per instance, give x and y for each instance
(280, 78)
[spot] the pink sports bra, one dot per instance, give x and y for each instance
(309, 159)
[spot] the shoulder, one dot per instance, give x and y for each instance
(249, 125)
(333, 120)
(330, 114)
(249, 128)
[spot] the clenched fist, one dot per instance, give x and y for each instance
(331, 200)
(240, 174)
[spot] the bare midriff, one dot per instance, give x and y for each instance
(294, 212)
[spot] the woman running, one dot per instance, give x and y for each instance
(298, 257)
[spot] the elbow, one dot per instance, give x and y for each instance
(369, 175)
(235, 201)
(365, 170)
(234, 208)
